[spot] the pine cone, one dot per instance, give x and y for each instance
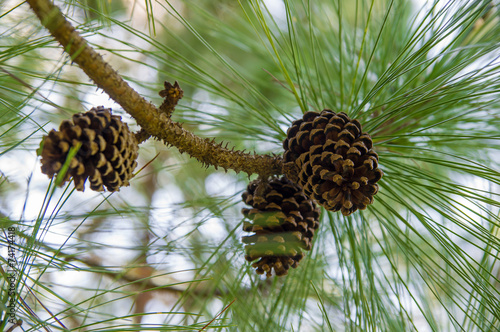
(284, 221)
(107, 155)
(332, 160)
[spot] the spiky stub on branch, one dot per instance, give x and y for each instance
(284, 221)
(107, 155)
(329, 156)
(171, 94)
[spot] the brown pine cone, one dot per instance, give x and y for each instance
(332, 160)
(108, 152)
(284, 221)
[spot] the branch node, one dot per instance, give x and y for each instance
(141, 136)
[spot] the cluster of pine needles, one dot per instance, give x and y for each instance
(165, 254)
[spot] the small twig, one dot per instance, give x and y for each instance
(18, 323)
(149, 117)
(220, 313)
(171, 94)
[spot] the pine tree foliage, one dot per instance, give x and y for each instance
(165, 254)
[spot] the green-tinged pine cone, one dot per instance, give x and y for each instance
(284, 221)
(108, 152)
(330, 157)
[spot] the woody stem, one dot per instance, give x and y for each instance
(147, 115)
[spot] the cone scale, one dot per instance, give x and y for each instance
(283, 221)
(329, 156)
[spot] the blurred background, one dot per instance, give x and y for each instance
(165, 253)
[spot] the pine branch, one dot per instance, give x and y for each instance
(149, 117)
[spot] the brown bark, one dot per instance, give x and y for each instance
(147, 115)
